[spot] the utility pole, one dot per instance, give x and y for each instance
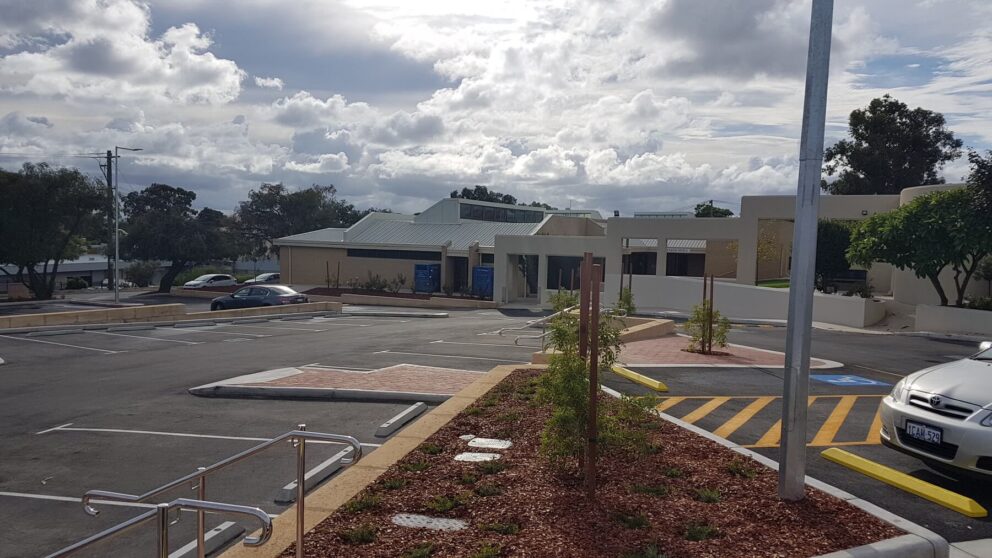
(117, 217)
(111, 222)
(795, 396)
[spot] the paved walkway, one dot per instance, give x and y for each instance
(670, 350)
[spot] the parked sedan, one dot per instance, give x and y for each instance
(942, 415)
(250, 297)
(264, 278)
(211, 280)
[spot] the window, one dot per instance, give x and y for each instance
(499, 214)
(640, 263)
(564, 271)
(489, 259)
(394, 254)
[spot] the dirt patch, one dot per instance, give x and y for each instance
(687, 497)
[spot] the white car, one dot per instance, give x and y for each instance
(264, 278)
(211, 280)
(942, 415)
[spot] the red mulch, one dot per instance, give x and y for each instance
(556, 519)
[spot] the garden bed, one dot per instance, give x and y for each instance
(672, 493)
(332, 291)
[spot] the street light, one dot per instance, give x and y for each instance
(117, 220)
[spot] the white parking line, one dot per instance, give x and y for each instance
(144, 337)
(74, 499)
(194, 330)
(104, 351)
(388, 352)
(510, 346)
(270, 327)
(65, 428)
(190, 546)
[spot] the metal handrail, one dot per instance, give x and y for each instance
(618, 312)
(297, 437)
(533, 323)
(161, 514)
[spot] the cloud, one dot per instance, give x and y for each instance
(269, 83)
(327, 163)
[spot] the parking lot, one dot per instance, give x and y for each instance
(109, 410)
(744, 405)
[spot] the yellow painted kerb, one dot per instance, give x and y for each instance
(913, 485)
(639, 378)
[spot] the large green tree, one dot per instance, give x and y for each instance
(980, 181)
(481, 193)
(833, 238)
(938, 231)
(707, 209)
(891, 147)
(274, 211)
(162, 225)
(42, 214)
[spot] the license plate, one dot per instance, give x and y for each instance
(922, 432)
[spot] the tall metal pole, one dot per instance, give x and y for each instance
(792, 459)
(301, 490)
(110, 220)
(117, 228)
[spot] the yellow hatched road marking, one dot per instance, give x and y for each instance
(669, 403)
(875, 430)
(774, 435)
(705, 409)
(745, 414)
(825, 436)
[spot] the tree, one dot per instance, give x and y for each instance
(707, 209)
(481, 193)
(162, 225)
(931, 233)
(891, 147)
(980, 181)
(832, 241)
(273, 211)
(43, 212)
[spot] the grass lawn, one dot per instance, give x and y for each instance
(775, 283)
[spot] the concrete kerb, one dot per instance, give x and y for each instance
(919, 542)
(316, 394)
(390, 314)
(125, 326)
(328, 498)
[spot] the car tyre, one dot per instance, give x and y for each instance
(216, 306)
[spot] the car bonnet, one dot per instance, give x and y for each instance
(966, 380)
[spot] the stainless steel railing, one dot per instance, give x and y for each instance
(161, 516)
(615, 312)
(297, 437)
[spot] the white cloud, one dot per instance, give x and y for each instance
(326, 163)
(269, 83)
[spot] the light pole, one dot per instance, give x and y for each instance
(117, 220)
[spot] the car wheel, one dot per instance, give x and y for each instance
(216, 306)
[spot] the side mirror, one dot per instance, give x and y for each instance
(985, 345)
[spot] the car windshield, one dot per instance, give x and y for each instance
(282, 290)
(203, 277)
(984, 355)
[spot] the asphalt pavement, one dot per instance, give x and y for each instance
(744, 406)
(110, 411)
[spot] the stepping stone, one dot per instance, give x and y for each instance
(427, 522)
(489, 443)
(476, 457)
(466, 437)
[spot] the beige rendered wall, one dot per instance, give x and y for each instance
(774, 248)
(308, 266)
(721, 258)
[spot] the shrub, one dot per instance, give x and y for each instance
(242, 277)
(394, 483)
(698, 327)
(653, 490)
(431, 449)
(632, 520)
(502, 528)
(491, 467)
(362, 503)
(563, 299)
(982, 303)
(415, 466)
(468, 478)
(488, 490)
(700, 531)
(398, 283)
(141, 273)
(649, 551)
(673, 472)
(375, 283)
(740, 468)
(76, 283)
(488, 550)
(361, 534)
(626, 301)
(708, 495)
(422, 550)
(441, 504)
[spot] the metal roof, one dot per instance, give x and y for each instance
(461, 235)
(322, 235)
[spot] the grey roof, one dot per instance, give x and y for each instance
(460, 234)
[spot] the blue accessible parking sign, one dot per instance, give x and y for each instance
(844, 380)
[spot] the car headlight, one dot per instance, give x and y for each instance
(987, 421)
(899, 391)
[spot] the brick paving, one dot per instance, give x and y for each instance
(408, 378)
(670, 350)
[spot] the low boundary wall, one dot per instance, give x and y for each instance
(951, 319)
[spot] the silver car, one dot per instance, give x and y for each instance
(942, 415)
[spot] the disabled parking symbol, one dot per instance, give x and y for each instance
(846, 380)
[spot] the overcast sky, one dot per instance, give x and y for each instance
(621, 104)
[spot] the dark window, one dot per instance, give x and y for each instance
(641, 263)
(499, 214)
(259, 292)
(394, 254)
(487, 259)
(685, 265)
(563, 271)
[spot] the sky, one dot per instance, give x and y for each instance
(611, 105)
